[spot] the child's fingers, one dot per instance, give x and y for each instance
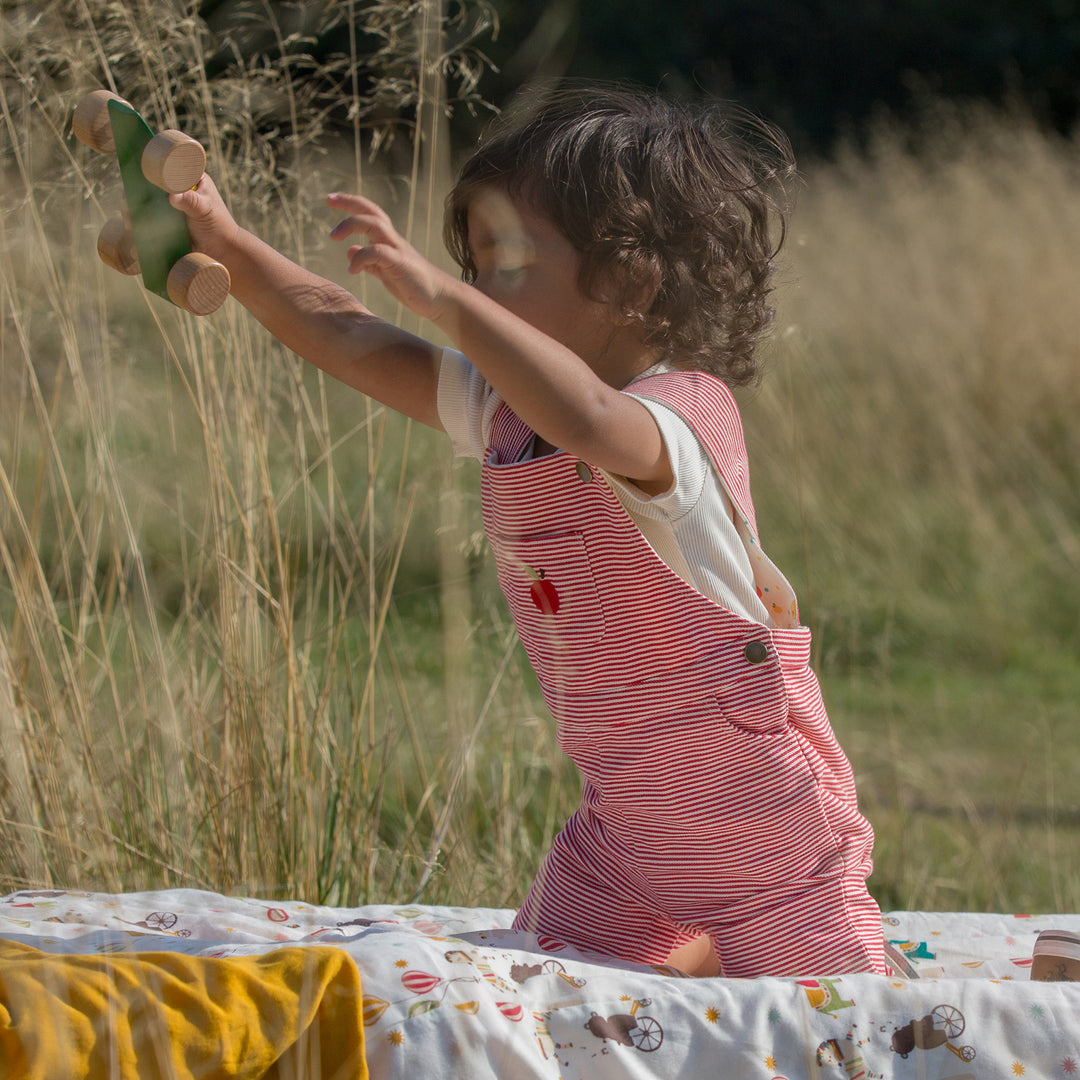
(348, 227)
(379, 231)
(199, 200)
(357, 260)
(364, 217)
(188, 202)
(371, 258)
(354, 204)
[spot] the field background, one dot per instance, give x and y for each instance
(250, 638)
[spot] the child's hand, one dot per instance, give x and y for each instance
(405, 273)
(210, 224)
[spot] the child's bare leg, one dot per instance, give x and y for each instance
(696, 957)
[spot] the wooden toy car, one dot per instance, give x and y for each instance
(150, 236)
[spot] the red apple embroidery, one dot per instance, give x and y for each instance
(544, 594)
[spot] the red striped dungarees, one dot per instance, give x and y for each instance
(716, 799)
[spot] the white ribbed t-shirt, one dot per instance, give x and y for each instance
(691, 526)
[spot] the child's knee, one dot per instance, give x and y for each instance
(696, 957)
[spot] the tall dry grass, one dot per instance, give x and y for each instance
(248, 637)
(915, 449)
(929, 366)
(203, 676)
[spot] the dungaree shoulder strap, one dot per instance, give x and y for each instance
(702, 400)
(706, 404)
(509, 436)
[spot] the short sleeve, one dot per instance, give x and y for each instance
(692, 525)
(467, 405)
(689, 464)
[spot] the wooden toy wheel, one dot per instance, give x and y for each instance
(198, 284)
(91, 121)
(116, 245)
(173, 161)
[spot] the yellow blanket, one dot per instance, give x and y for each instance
(292, 1014)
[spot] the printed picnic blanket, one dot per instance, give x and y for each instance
(450, 992)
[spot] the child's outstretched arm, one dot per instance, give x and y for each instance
(560, 396)
(313, 317)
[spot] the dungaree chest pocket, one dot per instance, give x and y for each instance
(551, 588)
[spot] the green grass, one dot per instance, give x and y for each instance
(969, 779)
(250, 638)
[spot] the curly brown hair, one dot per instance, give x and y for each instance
(678, 206)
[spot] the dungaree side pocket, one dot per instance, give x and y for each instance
(753, 696)
(550, 587)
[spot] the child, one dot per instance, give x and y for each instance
(617, 252)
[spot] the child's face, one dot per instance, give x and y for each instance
(527, 265)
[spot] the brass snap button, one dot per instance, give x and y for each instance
(584, 472)
(756, 652)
